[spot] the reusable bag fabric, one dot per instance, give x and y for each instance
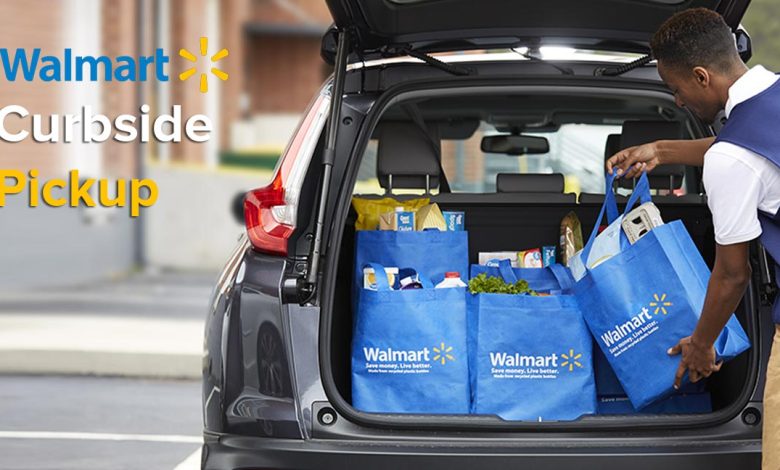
(430, 252)
(530, 357)
(409, 352)
(643, 300)
(683, 403)
(608, 385)
(553, 279)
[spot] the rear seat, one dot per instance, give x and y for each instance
(406, 159)
(543, 187)
(611, 148)
(663, 177)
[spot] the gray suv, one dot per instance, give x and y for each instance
(418, 85)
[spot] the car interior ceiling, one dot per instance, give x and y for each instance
(526, 209)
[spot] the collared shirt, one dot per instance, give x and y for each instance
(740, 182)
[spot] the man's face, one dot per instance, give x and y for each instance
(692, 89)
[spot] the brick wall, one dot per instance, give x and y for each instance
(119, 37)
(284, 73)
(44, 29)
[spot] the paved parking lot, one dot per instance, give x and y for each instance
(89, 423)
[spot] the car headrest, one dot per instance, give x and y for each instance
(643, 132)
(613, 145)
(529, 183)
(407, 156)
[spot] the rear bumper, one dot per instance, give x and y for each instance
(229, 453)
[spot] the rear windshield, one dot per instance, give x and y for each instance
(576, 150)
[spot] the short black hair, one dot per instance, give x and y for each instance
(695, 37)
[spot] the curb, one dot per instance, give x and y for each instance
(101, 363)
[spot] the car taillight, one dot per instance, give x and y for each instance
(264, 229)
(270, 212)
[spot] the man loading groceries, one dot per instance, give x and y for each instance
(698, 60)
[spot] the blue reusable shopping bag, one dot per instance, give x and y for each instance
(645, 299)
(430, 252)
(608, 385)
(530, 357)
(683, 403)
(552, 279)
(409, 352)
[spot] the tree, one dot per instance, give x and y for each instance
(762, 22)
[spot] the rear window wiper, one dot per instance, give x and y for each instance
(529, 56)
(434, 62)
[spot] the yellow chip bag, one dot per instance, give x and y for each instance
(368, 210)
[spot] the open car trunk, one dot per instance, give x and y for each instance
(387, 27)
(506, 221)
(497, 228)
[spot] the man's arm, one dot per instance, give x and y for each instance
(634, 160)
(730, 277)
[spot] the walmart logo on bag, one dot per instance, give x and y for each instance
(660, 304)
(640, 321)
(443, 354)
(571, 360)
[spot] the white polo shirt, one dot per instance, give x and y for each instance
(740, 182)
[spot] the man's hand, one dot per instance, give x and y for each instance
(632, 161)
(697, 359)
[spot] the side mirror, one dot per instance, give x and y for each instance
(744, 44)
(515, 144)
(237, 207)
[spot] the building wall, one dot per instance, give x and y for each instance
(285, 73)
(44, 30)
(45, 246)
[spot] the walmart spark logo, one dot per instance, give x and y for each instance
(660, 304)
(443, 354)
(204, 47)
(571, 360)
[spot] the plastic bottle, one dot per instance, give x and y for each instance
(451, 279)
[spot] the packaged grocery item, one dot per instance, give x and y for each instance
(485, 258)
(454, 221)
(430, 217)
(369, 278)
(451, 279)
(369, 210)
(548, 255)
(409, 279)
(641, 220)
(398, 220)
(571, 237)
(530, 258)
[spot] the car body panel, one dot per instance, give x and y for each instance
(389, 26)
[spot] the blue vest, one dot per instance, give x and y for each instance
(754, 124)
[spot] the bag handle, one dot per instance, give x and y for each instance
(505, 268)
(381, 281)
(426, 283)
(562, 275)
(641, 193)
(609, 207)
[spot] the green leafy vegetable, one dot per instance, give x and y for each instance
(495, 285)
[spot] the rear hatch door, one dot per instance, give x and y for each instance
(388, 27)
